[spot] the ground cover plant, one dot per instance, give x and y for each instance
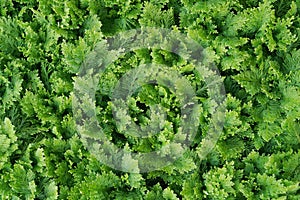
(254, 44)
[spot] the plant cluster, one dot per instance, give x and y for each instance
(255, 45)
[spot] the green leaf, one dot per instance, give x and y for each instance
(268, 130)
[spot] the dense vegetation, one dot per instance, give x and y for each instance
(255, 45)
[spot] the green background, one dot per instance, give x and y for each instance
(254, 44)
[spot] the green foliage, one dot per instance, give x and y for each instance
(255, 45)
(8, 143)
(219, 182)
(153, 16)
